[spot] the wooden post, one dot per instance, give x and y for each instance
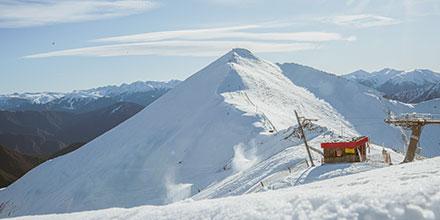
(412, 147)
(305, 139)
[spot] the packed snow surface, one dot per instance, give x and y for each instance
(409, 191)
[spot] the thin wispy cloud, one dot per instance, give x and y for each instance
(20, 13)
(207, 33)
(177, 48)
(360, 20)
(202, 42)
(236, 33)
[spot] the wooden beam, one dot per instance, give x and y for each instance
(412, 147)
(304, 138)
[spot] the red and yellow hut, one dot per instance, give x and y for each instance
(345, 151)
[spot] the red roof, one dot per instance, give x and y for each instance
(349, 144)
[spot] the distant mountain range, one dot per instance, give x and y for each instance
(406, 86)
(35, 127)
(142, 93)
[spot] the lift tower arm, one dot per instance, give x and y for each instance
(415, 122)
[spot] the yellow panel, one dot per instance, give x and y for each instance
(349, 150)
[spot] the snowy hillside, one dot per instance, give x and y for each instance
(407, 191)
(363, 107)
(221, 132)
(406, 86)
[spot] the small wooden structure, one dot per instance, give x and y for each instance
(345, 151)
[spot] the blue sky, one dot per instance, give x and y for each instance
(56, 45)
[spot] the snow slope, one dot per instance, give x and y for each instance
(288, 167)
(363, 107)
(408, 191)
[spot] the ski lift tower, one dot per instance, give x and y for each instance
(414, 122)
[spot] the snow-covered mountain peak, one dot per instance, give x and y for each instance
(388, 71)
(393, 76)
(178, 145)
(237, 54)
(406, 86)
(359, 74)
(244, 53)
